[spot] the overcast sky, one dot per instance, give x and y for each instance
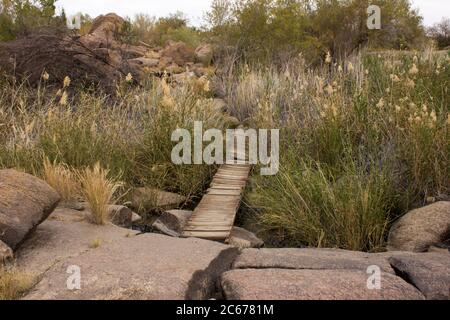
(431, 10)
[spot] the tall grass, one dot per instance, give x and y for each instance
(128, 133)
(363, 141)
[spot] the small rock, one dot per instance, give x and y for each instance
(429, 272)
(135, 218)
(145, 62)
(6, 253)
(153, 55)
(25, 202)
(204, 54)
(242, 239)
(281, 284)
(232, 121)
(172, 222)
(74, 205)
(148, 199)
(179, 52)
(219, 105)
(121, 216)
(421, 228)
(182, 77)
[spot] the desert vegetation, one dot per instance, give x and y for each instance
(364, 115)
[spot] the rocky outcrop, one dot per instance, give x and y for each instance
(25, 202)
(147, 199)
(421, 228)
(99, 57)
(123, 265)
(318, 259)
(282, 284)
(6, 253)
(243, 239)
(172, 222)
(429, 272)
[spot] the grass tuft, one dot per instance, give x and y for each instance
(99, 191)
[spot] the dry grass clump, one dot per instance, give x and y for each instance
(99, 191)
(61, 178)
(14, 284)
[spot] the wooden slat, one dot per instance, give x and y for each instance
(214, 216)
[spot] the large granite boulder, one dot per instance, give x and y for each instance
(122, 264)
(282, 284)
(429, 272)
(319, 259)
(421, 228)
(25, 202)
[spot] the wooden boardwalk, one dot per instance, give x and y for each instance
(214, 216)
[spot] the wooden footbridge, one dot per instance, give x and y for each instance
(214, 216)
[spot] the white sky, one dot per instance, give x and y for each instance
(432, 10)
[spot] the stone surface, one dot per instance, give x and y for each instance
(145, 62)
(279, 284)
(149, 198)
(126, 265)
(5, 253)
(172, 222)
(310, 259)
(242, 239)
(120, 215)
(421, 228)
(25, 201)
(178, 52)
(429, 272)
(204, 54)
(135, 217)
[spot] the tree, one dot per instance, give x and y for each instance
(276, 30)
(440, 32)
(19, 17)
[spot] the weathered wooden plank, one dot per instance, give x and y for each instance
(214, 216)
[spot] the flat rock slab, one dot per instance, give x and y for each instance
(292, 258)
(116, 263)
(429, 272)
(25, 201)
(281, 284)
